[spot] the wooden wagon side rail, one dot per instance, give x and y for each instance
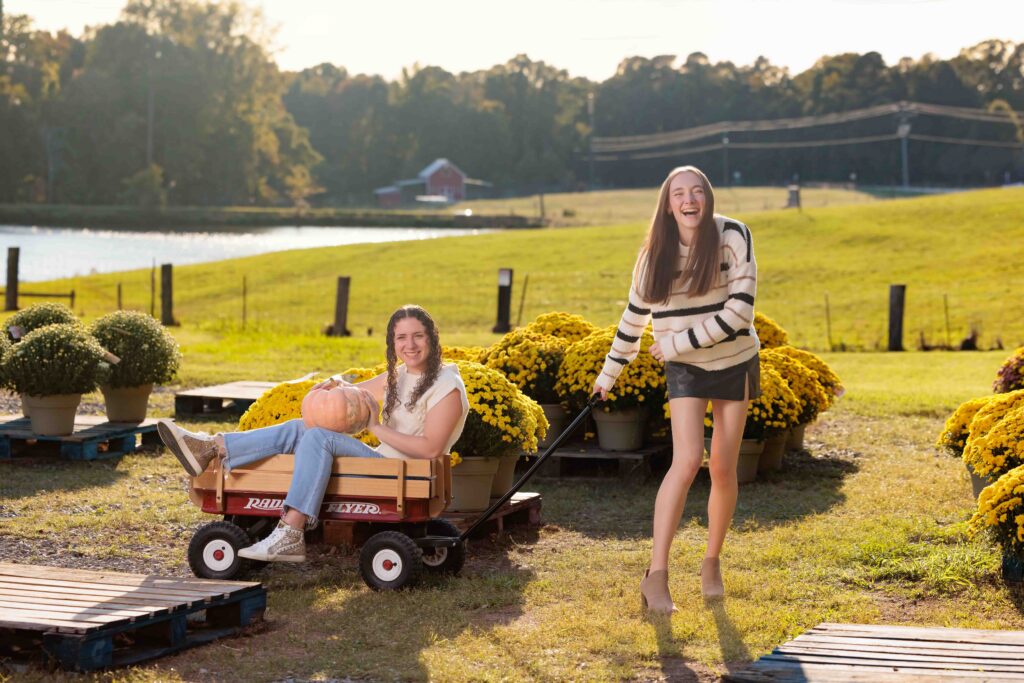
(368, 477)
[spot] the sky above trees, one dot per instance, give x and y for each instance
(589, 38)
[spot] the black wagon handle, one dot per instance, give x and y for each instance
(533, 468)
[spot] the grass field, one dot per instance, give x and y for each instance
(608, 207)
(954, 248)
(866, 527)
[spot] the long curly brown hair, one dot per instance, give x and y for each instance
(433, 366)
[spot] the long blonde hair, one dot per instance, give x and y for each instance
(659, 255)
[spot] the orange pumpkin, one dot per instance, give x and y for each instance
(339, 409)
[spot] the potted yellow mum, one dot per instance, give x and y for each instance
(995, 437)
(530, 360)
(621, 419)
(1001, 513)
(823, 376)
(502, 423)
(953, 438)
(770, 333)
(809, 393)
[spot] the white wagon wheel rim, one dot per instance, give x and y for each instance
(387, 564)
(218, 555)
(435, 558)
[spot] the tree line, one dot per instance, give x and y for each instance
(180, 102)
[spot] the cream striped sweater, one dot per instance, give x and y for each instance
(714, 331)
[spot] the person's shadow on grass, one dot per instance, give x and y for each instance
(735, 654)
(674, 667)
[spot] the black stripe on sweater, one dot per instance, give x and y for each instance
(725, 328)
(734, 336)
(744, 233)
(620, 361)
(696, 310)
(625, 337)
(693, 339)
(741, 296)
(638, 310)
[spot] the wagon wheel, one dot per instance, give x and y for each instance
(390, 560)
(213, 550)
(257, 529)
(444, 560)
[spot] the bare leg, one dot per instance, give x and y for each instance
(687, 451)
(730, 417)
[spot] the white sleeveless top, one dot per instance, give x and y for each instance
(412, 422)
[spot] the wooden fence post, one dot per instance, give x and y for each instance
(167, 294)
(828, 323)
(504, 300)
(897, 297)
(340, 326)
(245, 292)
(12, 279)
(119, 307)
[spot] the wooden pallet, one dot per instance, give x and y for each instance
(93, 438)
(89, 620)
(240, 396)
(523, 508)
(631, 464)
(831, 653)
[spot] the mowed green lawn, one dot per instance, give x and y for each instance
(867, 526)
(958, 249)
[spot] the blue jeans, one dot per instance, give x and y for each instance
(314, 449)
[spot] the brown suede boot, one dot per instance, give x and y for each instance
(711, 586)
(654, 595)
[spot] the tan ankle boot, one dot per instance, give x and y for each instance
(711, 586)
(654, 595)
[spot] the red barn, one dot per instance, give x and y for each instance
(441, 182)
(443, 178)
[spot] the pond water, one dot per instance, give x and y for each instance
(51, 253)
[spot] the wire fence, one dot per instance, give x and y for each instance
(851, 318)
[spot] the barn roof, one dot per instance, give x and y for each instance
(437, 164)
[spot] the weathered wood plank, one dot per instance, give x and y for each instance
(95, 589)
(923, 633)
(71, 613)
(71, 602)
(861, 652)
(937, 647)
(243, 390)
(903, 658)
(70, 594)
(885, 663)
(114, 578)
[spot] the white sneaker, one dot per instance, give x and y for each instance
(284, 544)
(194, 450)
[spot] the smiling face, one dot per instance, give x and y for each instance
(687, 201)
(412, 344)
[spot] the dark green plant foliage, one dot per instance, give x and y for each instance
(41, 315)
(147, 352)
(56, 359)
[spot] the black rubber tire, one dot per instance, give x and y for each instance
(444, 560)
(403, 557)
(225, 537)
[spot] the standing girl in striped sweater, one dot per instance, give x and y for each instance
(696, 278)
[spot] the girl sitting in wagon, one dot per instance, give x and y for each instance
(425, 409)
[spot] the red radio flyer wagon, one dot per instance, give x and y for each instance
(388, 506)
